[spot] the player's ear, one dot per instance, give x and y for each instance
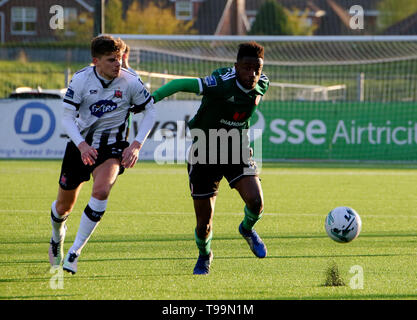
(95, 59)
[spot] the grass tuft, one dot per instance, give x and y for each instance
(333, 276)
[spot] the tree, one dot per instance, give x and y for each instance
(114, 22)
(393, 11)
(154, 20)
(297, 21)
(271, 19)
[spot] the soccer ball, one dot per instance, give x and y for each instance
(343, 224)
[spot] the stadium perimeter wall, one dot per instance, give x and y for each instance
(31, 129)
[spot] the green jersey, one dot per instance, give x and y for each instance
(226, 104)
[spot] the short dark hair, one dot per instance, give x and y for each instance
(105, 45)
(250, 49)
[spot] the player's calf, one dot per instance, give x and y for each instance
(90, 219)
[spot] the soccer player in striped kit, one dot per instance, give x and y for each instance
(96, 110)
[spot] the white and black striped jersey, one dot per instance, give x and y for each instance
(103, 106)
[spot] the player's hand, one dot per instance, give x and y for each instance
(88, 153)
(131, 154)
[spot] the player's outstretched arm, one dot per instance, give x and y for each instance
(177, 85)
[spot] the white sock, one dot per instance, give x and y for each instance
(58, 223)
(89, 220)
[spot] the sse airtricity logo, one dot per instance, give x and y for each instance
(34, 123)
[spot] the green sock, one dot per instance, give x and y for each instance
(203, 245)
(250, 219)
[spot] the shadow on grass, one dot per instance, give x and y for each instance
(171, 238)
(249, 256)
(340, 256)
(89, 277)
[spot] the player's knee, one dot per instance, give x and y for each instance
(63, 208)
(255, 205)
(101, 193)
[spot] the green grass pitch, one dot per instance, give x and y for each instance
(144, 246)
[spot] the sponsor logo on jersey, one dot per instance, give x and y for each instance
(239, 116)
(70, 93)
(101, 107)
(210, 81)
(118, 94)
(93, 91)
(232, 123)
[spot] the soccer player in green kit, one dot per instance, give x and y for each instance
(230, 97)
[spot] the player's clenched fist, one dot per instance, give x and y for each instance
(131, 154)
(88, 153)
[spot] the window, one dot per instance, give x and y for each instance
(23, 20)
(70, 15)
(184, 10)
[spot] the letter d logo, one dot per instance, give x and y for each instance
(34, 123)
